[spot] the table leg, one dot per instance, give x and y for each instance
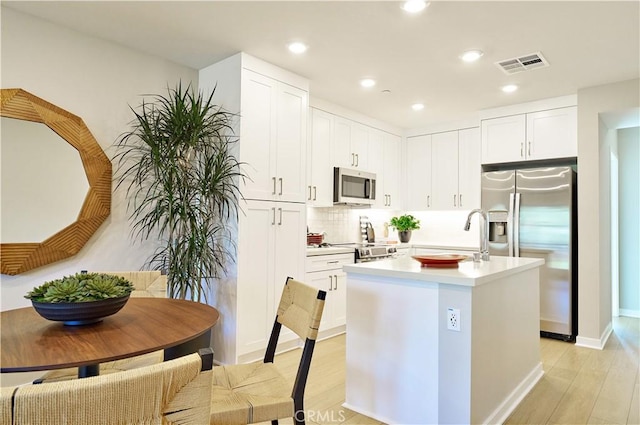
(88, 370)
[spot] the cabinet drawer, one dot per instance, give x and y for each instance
(328, 262)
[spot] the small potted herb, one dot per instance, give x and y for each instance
(404, 225)
(82, 298)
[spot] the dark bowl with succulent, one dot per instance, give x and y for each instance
(81, 299)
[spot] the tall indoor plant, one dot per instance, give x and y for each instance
(182, 184)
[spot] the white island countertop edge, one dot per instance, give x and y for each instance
(467, 273)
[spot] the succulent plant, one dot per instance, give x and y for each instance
(81, 287)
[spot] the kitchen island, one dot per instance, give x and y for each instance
(404, 364)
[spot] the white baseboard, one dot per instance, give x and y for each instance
(367, 413)
(512, 401)
(595, 343)
(629, 313)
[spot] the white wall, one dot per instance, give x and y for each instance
(594, 218)
(96, 80)
(629, 220)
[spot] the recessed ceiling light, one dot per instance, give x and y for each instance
(367, 82)
(510, 88)
(414, 6)
(297, 47)
(471, 55)
(417, 106)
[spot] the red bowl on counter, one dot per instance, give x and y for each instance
(314, 238)
(440, 260)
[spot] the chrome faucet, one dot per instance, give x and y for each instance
(484, 232)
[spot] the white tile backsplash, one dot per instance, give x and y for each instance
(442, 228)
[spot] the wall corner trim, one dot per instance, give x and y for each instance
(597, 344)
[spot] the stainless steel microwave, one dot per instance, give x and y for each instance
(353, 187)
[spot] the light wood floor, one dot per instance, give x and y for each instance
(580, 385)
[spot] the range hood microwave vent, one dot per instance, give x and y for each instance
(522, 63)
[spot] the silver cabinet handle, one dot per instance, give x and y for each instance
(330, 283)
(280, 179)
(454, 201)
(274, 185)
(460, 199)
(521, 148)
(273, 210)
(389, 200)
(308, 199)
(336, 281)
(428, 201)
(353, 159)
(333, 262)
(315, 193)
(280, 221)
(529, 151)
(357, 160)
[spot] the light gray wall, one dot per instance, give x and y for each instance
(594, 218)
(629, 205)
(96, 80)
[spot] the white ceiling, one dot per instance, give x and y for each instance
(586, 43)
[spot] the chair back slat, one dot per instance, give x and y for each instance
(300, 308)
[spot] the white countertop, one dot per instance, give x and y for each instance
(329, 250)
(468, 273)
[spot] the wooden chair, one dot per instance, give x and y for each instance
(257, 392)
(175, 391)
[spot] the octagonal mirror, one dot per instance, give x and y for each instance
(56, 183)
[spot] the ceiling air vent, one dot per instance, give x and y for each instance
(523, 63)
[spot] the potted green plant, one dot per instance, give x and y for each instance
(81, 298)
(182, 185)
(404, 224)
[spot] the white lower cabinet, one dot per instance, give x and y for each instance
(271, 247)
(325, 272)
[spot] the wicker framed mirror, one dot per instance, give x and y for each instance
(20, 257)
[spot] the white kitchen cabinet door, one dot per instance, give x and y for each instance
(419, 173)
(323, 280)
(469, 169)
(271, 247)
(256, 264)
(335, 307)
(503, 139)
(444, 177)
(391, 167)
(320, 183)
(552, 134)
(290, 251)
(258, 135)
(360, 146)
(342, 156)
(291, 137)
(273, 136)
(376, 164)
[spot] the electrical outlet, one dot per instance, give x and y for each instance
(453, 319)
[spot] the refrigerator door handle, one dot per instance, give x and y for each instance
(516, 226)
(510, 225)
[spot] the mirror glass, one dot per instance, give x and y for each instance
(43, 182)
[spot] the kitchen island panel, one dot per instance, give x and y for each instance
(391, 329)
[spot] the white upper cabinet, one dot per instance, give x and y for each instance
(391, 173)
(532, 136)
(444, 174)
(273, 138)
(319, 165)
(350, 144)
(552, 134)
(419, 173)
(443, 171)
(469, 170)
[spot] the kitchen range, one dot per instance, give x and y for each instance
(363, 252)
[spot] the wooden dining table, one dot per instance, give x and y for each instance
(28, 342)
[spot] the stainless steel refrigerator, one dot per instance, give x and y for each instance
(532, 213)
